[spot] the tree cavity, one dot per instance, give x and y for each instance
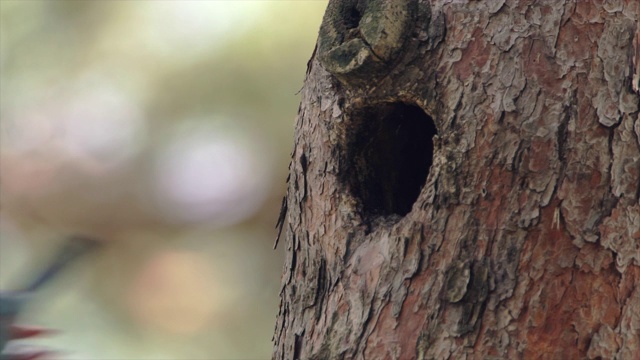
(389, 157)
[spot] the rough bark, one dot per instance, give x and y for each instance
(524, 239)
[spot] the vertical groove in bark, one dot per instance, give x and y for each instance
(525, 239)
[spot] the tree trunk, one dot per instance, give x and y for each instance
(465, 184)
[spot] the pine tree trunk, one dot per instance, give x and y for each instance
(465, 184)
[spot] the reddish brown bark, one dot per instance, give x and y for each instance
(524, 241)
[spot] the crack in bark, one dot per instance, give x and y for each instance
(364, 333)
(321, 289)
(303, 164)
(281, 218)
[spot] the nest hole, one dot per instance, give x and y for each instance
(352, 19)
(390, 157)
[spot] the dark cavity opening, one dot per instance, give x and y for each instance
(353, 18)
(390, 157)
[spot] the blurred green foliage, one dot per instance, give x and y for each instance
(93, 96)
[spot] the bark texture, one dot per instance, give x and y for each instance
(524, 239)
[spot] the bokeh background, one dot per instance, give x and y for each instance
(163, 128)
